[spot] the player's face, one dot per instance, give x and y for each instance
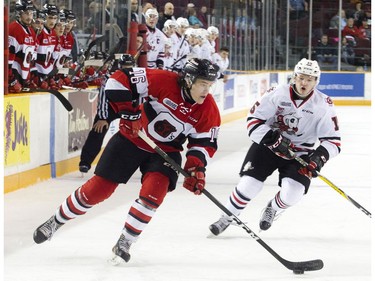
(304, 84)
(152, 20)
(38, 24)
(59, 28)
(69, 25)
(51, 21)
(26, 17)
(199, 90)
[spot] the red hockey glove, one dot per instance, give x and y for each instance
(96, 82)
(197, 180)
(81, 85)
(67, 81)
(43, 85)
(315, 163)
(130, 122)
(15, 87)
(279, 144)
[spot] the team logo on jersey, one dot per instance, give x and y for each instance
(164, 128)
(329, 101)
(287, 123)
(248, 166)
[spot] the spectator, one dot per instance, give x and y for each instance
(95, 20)
(193, 20)
(167, 15)
(359, 14)
(298, 9)
(351, 30)
(202, 16)
(325, 52)
(123, 16)
(347, 52)
(145, 7)
(336, 19)
(365, 29)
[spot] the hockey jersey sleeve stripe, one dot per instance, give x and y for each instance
(117, 92)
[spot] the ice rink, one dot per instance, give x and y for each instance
(176, 245)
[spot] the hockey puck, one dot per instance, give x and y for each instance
(298, 271)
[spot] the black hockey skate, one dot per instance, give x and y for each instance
(83, 168)
(45, 231)
(121, 250)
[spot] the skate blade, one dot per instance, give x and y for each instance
(116, 260)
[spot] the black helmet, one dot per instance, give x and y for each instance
(24, 5)
(97, 55)
(69, 15)
(126, 60)
(40, 15)
(50, 9)
(61, 18)
(199, 68)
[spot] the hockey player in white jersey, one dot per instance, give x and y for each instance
(287, 118)
(155, 40)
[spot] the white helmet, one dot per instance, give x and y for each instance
(151, 12)
(213, 30)
(170, 24)
(308, 67)
(182, 22)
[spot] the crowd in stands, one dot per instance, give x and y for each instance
(354, 24)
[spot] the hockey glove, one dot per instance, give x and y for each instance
(130, 123)
(15, 86)
(280, 145)
(197, 180)
(315, 162)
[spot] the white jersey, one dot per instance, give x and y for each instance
(156, 42)
(304, 122)
(183, 49)
(223, 64)
(207, 50)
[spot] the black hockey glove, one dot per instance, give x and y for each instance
(315, 162)
(279, 144)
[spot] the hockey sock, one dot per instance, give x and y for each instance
(94, 191)
(241, 195)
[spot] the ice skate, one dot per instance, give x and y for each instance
(221, 225)
(267, 218)
(83, 168)
(45, 231)
(121, 251)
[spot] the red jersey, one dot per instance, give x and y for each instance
(167, 117)
(21, 48)
(47, 43)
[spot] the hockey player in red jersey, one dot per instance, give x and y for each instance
(21, 46)
(47, 41)
(177, 108)
(287, 118)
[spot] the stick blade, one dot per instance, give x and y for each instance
(312, 265)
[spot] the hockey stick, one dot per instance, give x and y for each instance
(297, 267)
(86, 54)
(335, 187)
(68, 106)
